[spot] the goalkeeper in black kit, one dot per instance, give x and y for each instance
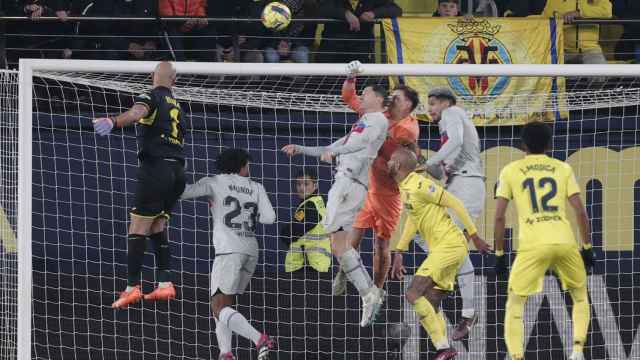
(161, 181)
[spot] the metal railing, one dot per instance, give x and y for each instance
(50, 41)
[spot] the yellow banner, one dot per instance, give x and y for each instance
(499, 100)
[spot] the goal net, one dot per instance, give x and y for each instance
(82, 188)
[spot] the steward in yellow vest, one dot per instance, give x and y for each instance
(305, 235)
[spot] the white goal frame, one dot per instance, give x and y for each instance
(27, 68)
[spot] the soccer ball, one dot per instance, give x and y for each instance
(276, 16)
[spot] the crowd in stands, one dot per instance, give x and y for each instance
(350, 37)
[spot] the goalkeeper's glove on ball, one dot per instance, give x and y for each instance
(103, 126)
(354, 68)
(587, 255)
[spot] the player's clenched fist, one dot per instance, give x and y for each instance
(290, 149)
(103, 126)
(354, 68)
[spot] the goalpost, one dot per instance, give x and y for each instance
(74, 191)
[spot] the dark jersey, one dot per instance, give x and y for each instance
(162, 134)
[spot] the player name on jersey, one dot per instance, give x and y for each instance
(240, 189)
(538, 167)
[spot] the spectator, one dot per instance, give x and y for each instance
(194, 34)
(47, 44)
(245, 40)
(628, 48)
(298, 36)
(352, 40)
(447, 8)
(305, 234)
(140, 41)
(486, 8)
(580, 42)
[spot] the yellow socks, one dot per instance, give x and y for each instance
(432, 322)
(580, 315)
(514, 325)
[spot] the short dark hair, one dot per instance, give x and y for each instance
(306, 172)
(230, 161)
(411, 94)
(443, 93)
(380, 91)
(536, 136)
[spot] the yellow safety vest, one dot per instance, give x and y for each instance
(315, 243)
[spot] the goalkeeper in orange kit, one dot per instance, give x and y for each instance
(382, 207)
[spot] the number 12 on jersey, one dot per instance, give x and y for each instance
(530, 184)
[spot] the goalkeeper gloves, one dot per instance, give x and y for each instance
(353, 69)
(587, 255)
(103, 126)
(501, 263)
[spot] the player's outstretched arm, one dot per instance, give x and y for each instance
(203, 187)
(450, 201)
(498, 234)
(585, 229)
(316, 151)
(103, 126)
(349, 95)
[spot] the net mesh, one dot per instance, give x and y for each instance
(8, 213)
(83, 188)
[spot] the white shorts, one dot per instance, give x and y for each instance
(232, 272)
(471, 191)
(346, 198)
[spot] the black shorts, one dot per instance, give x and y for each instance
(160, 184)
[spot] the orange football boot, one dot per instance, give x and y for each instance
(165, 293)
(128, 298)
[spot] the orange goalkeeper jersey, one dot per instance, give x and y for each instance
(401, 132)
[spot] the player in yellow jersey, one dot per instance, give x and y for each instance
(427, 203)
(540, 187)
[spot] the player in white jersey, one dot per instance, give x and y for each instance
(459, 161)
(354, 154)
(236, 203)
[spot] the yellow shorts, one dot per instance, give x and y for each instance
(442, 265)
(527, 274)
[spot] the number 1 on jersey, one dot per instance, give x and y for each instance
(175, 120)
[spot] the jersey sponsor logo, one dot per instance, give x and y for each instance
(299, 216)
(543, 218)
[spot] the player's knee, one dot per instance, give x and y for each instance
(218, 302)
(579, 295)
(158, 225)
(412, 295)
(515, 305)
(140, 226)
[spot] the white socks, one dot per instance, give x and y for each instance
(465, 282)
(238, 324)
(355, 271)
(224, 334)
